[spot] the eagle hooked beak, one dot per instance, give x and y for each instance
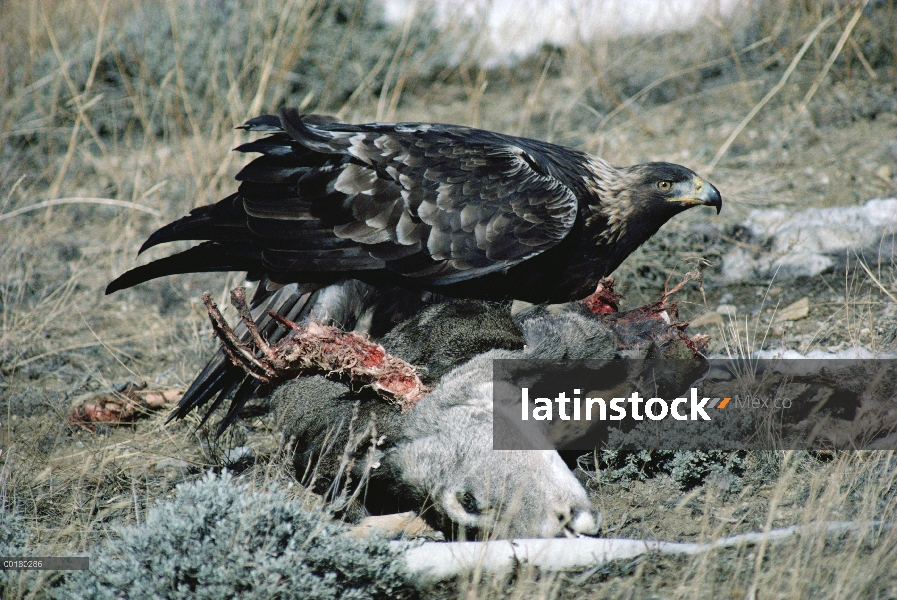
(705, 193)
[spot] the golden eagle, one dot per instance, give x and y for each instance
(435, 208)
(458, 211)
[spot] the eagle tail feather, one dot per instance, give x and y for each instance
(224, 221)
(303, 129)
(262, 123)
(208, 257)
(244, 392)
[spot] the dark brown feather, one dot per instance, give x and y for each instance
(447, 209)
(421, 205)
(437, 203)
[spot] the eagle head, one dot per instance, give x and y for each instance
(632, 203)
(629, 205)
(668, 189)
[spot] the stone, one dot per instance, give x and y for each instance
(784, 245)
(708, 319)
(795, 311)
(727, 310)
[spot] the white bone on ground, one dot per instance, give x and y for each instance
(431, 562)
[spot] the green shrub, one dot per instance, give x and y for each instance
(218, 540)
(688, 468)
(13, 539)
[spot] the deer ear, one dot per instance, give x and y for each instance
(453, 501)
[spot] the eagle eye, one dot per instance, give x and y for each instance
(664, 186)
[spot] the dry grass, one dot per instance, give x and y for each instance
(90, 110)
(856, 487)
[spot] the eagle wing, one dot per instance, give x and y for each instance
(438, 203)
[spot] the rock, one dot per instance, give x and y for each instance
(241, 455)
(708, 319)
(727, 310)
(788, 245)
(795, 311)
(853, 353)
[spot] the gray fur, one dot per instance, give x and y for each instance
(327, 422)
(443, 336)
(566, 335)
(438, 458)
(445, 454)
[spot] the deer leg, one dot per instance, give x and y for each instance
(239, 353)
(238, 300)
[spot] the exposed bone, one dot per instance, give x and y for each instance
(122, 407)
(315, 347)
(656, 323)
(604, 299)
(431, 562)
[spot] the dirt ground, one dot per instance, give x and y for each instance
(62, 341)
